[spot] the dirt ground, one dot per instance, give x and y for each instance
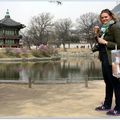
(52, 100)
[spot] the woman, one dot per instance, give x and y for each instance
(108, 38)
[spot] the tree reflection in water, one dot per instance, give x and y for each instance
(70, 70)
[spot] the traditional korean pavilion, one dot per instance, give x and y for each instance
(9, 32)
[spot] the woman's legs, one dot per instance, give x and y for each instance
(107, 75)
(112, 84)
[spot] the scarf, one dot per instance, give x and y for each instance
(105, 27)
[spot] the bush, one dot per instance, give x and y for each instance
(37, 53)
(13, 52)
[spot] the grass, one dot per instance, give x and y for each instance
(25, 53)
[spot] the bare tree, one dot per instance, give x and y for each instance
(85, 25)
(62, 29)
(26, 39)
(39, 28)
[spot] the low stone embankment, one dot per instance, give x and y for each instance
(29, 59)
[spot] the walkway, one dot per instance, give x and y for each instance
(52, 100)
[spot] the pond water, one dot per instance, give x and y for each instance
(65, 70)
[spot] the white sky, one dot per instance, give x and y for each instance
(23, 10)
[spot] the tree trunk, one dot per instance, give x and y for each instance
(64, 47)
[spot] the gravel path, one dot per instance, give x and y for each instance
(52, 100)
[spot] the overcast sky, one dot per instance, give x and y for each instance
(23, 10)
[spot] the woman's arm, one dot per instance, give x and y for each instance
(115, 31)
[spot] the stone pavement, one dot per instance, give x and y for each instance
(52, 100)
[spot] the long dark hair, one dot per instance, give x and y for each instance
(110, 13)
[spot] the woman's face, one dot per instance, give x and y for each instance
(105, 18)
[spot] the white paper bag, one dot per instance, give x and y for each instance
(116, 63)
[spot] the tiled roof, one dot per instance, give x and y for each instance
(7, 21)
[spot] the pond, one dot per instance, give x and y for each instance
(62, 71)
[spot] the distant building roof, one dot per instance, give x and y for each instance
(7, 21)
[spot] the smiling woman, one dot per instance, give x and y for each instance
(107, 40)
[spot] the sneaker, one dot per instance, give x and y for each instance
(102, 108)
(113, 112)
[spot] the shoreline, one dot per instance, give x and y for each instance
(71, 52)
(33, 59)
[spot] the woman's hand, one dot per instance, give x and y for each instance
(102, 41)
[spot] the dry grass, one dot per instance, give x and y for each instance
(74, 50)
(81, 51)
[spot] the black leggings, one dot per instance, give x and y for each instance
(112, 84)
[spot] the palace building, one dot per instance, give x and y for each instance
(9, 32)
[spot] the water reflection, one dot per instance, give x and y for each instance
(70, 70)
